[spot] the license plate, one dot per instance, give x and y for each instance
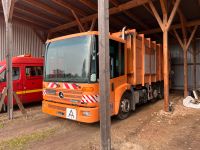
(71, 114)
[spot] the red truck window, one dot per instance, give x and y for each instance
(32, 71)
(16, 74)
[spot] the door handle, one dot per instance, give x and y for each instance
(112, 86)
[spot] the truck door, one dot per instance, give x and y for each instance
(17, 84)
(2, 79)
(33, 83)
(18, 81)
(117, 67)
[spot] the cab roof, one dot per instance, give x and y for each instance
(25, 60)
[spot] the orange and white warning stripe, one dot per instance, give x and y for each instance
(71, 86)
(44, 92)
(90, 98)
(52, 85)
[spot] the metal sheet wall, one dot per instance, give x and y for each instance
(177, 68)
(25, 41)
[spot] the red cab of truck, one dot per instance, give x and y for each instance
(27, 78)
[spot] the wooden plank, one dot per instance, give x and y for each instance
(89, 4)
(179, 39)
(156, 15)
(78, 21)
(163, 6)
(185, 74)
(8, 7)
(42, 37)
(70, 7)
(194, 65)
(172, 14)
(175, 26)
(130, 15)
(93, 24)
(32, 14)
(191, 36)
(47, 9)
(104, 74)
(3, 95)
(19, 103)
(114, 10)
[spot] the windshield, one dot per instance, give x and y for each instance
(68, 60)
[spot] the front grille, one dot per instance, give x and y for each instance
(56, 107)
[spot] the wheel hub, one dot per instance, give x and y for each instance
(125, 105)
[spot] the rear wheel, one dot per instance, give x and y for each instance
(125, 106)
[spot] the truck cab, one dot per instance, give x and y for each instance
(27, 78)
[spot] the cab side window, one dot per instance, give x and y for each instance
(32, 71)
(116, 59)
(3, 76)
(15, 74)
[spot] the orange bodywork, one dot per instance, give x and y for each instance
(83, 98)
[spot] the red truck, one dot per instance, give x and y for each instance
(27, 78)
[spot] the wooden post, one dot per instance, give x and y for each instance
(166, 64)
(185, 73)
(165, 25)
(8, 6)
(185, 45)
(194, 65)
(104, 73)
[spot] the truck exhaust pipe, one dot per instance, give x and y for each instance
(123, 32)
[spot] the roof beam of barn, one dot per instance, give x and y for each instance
(114, 10)
(176, 26)
(29, 12)
(130, 15)
(48, 9)
(89, 4)
(70, 7)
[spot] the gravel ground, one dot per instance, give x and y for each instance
(148, 128)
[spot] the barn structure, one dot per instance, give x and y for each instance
(25, 25)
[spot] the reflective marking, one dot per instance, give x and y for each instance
(29, 91)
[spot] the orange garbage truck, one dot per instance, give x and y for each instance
(71, 75)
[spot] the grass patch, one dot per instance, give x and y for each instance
(20, 142)
(1, 125)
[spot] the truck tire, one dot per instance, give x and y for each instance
(125, 106)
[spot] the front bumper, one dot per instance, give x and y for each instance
(62, 110)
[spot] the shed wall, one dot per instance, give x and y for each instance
(25, 41)
(177, 66)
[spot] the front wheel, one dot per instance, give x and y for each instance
(125, 106)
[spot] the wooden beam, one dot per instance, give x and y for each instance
(78, 21)
(114, 10)
(33, 14)
(191, 36)
(169, 22)
(48, 9)
(8, 7)
(89, 4)
(104, 74)
(42, 36)
(194, 65)
(156, 15)
(176, 26)
(179, 39)
(130, 15)
(93, 24)
(70, 7)
(163, 6)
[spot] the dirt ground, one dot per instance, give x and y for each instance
(148, 128)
